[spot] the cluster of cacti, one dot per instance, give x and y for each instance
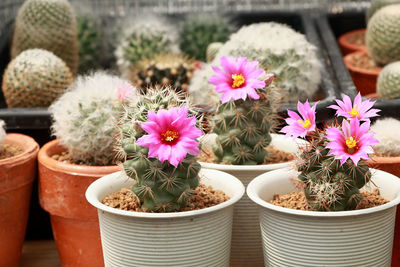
(200, 31)
(378, 4)
(35, 78)
(144, 37)
(328, 185)
(383, 35)
(387, 132)
(90, 40)
(84, 118)
(164, 69)
(49, 25)
(388, 84)
(280, 50)
(159, 185)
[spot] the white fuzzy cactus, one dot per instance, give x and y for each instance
(278, 48)
(144, 37)
(387, 132)
(85, 117)
(2, 131)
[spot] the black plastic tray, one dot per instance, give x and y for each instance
(330, 27)
(303, 23)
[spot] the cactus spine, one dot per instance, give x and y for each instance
(49, 25)
(84, 118)
(159, 186)
(327, 185)
(383, 35)
(388, 84)
(389, 140)
(35, 78)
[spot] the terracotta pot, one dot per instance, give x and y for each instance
(373, 95)
(16, 178)
(364, 80)
(391, 165)
(347, 47)
(74, 221)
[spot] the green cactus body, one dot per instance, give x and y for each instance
(243, 128)
(159, 186)
(329, 186)
(278, 49)
(49, 25)
(198, 32)
(388, 84)
(35, 78)
(378, 4)
(383, 35)
(212, 50)
(85, 118)
(387, 133)
(163, 70)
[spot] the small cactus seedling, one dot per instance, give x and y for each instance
(387, 132)
(158, 146)
(333, 166)
(245, 117)
(85, 117)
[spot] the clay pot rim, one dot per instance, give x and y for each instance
(347, 60)
(343, 40)
(84, 170)
(387, 160)
(26, 143)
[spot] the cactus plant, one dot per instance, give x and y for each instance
(383, 35)
(164, 69)
(50, 25)
(35, 78)
(388, 84)
(389, 140)
(278, 48)
(2, 131)
(199, 31)
(378, 4)
(242, 124)
(158, 147)
(142, 38)
(84, 118)
(212, 50)
(333, 166)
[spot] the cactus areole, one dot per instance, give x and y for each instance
(333, 166)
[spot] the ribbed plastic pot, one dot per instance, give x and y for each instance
(16, 177)
(200, 238)
(364, 80)
(74, 221)
(246, 248)
(293, 238)
(348, 47)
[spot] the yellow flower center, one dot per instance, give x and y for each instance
(354, 112)
(351, 145)
(169, 136)
(306, 124)
(238, 80)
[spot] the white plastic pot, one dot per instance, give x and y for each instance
(246, 237)
(177, 239)
(293, 238)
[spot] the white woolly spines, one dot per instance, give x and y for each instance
(2, 131)
(278, 48)
(387, 131)
(200, 91)
(144, 37)
(85, 118)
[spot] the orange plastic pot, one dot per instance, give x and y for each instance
(16, 177)
(74, 221)
(391, 165)
(364, 80)
(348, 47)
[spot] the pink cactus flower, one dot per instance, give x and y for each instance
(360, 110)
(237, 79)
(124, 91)
(171, 135)
(300, 126)
(353, 141)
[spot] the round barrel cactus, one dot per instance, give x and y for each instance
(388, 84)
